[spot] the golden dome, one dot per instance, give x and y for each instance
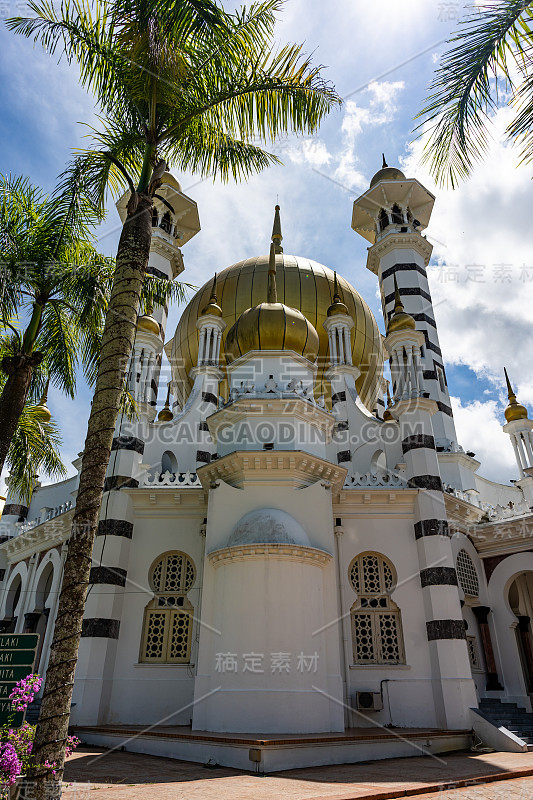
(514, 410)
(400, 320)
(148, 324)
(301, 284)
(387, 173)
(166, 415)
(337, 307)
(272, 326)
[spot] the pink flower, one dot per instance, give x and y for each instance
(9, 764)
(24, 692)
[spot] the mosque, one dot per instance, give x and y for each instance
(296, 561)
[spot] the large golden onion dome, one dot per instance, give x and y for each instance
(301, 284)
(272, 325)
(514, 410)
(387, 173)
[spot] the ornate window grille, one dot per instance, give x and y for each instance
(473, 653)
(168, 617)
(467, 574)
(376, 620)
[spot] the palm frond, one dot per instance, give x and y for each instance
(34, 450)
(465, 90)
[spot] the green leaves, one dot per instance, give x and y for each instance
(492, 53)
(186, 81)
(34, 449)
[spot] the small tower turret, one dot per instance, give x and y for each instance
(520, 430)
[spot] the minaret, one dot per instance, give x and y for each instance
(211, 326)
(453, 693)
(520, 430)
(391, 215)
(175, 221)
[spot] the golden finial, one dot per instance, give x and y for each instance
(272, 291)
(400, 319)
(213, 307)
(337, 307)
(42, 411)
(166, 415)
(514, 410)
(276, 231)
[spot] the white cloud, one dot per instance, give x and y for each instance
(483, 288)
(479, 427)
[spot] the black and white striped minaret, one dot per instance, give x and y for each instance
(453, 689)
(391, 215)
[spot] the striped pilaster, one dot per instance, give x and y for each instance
(108, 577)
(445, 632)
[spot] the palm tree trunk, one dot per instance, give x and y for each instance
(19, 370)
(117, 344)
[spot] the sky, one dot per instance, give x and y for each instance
(381, 58)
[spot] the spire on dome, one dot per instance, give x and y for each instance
(213, 307)
(337, 307)
(166, 415)
(41, 409)
(400, 319)
(514, 410)
(384, 165)
(272, 292)
(276, 231)
(387, 416)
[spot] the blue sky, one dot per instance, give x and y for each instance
(381, 58)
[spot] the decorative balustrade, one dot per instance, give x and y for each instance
(171, 479)
(46, 516)
(380, 480)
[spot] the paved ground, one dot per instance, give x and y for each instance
(129, 776)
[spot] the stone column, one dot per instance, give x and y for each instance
(481, 613)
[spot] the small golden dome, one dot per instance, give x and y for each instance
(272, 326)
(212, 308)
(166, 415)
(43, 413)
(148, 324)
(387, 173)
(514, 410)
(387, 416)
(337, 307)
(400, 319)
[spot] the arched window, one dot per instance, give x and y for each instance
(166, 222)
(378, 463)
(397, 215)
(155, 217)
(168, 462)
(376, 619)
(168, 617)
(467, 574)
(383, 219)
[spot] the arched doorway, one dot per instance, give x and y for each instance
(520, 598)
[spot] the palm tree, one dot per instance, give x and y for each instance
(492, 53)
(34, 448)
(179, 82)
(53, 294)
(53, 279)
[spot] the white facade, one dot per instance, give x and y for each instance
(265, 554)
